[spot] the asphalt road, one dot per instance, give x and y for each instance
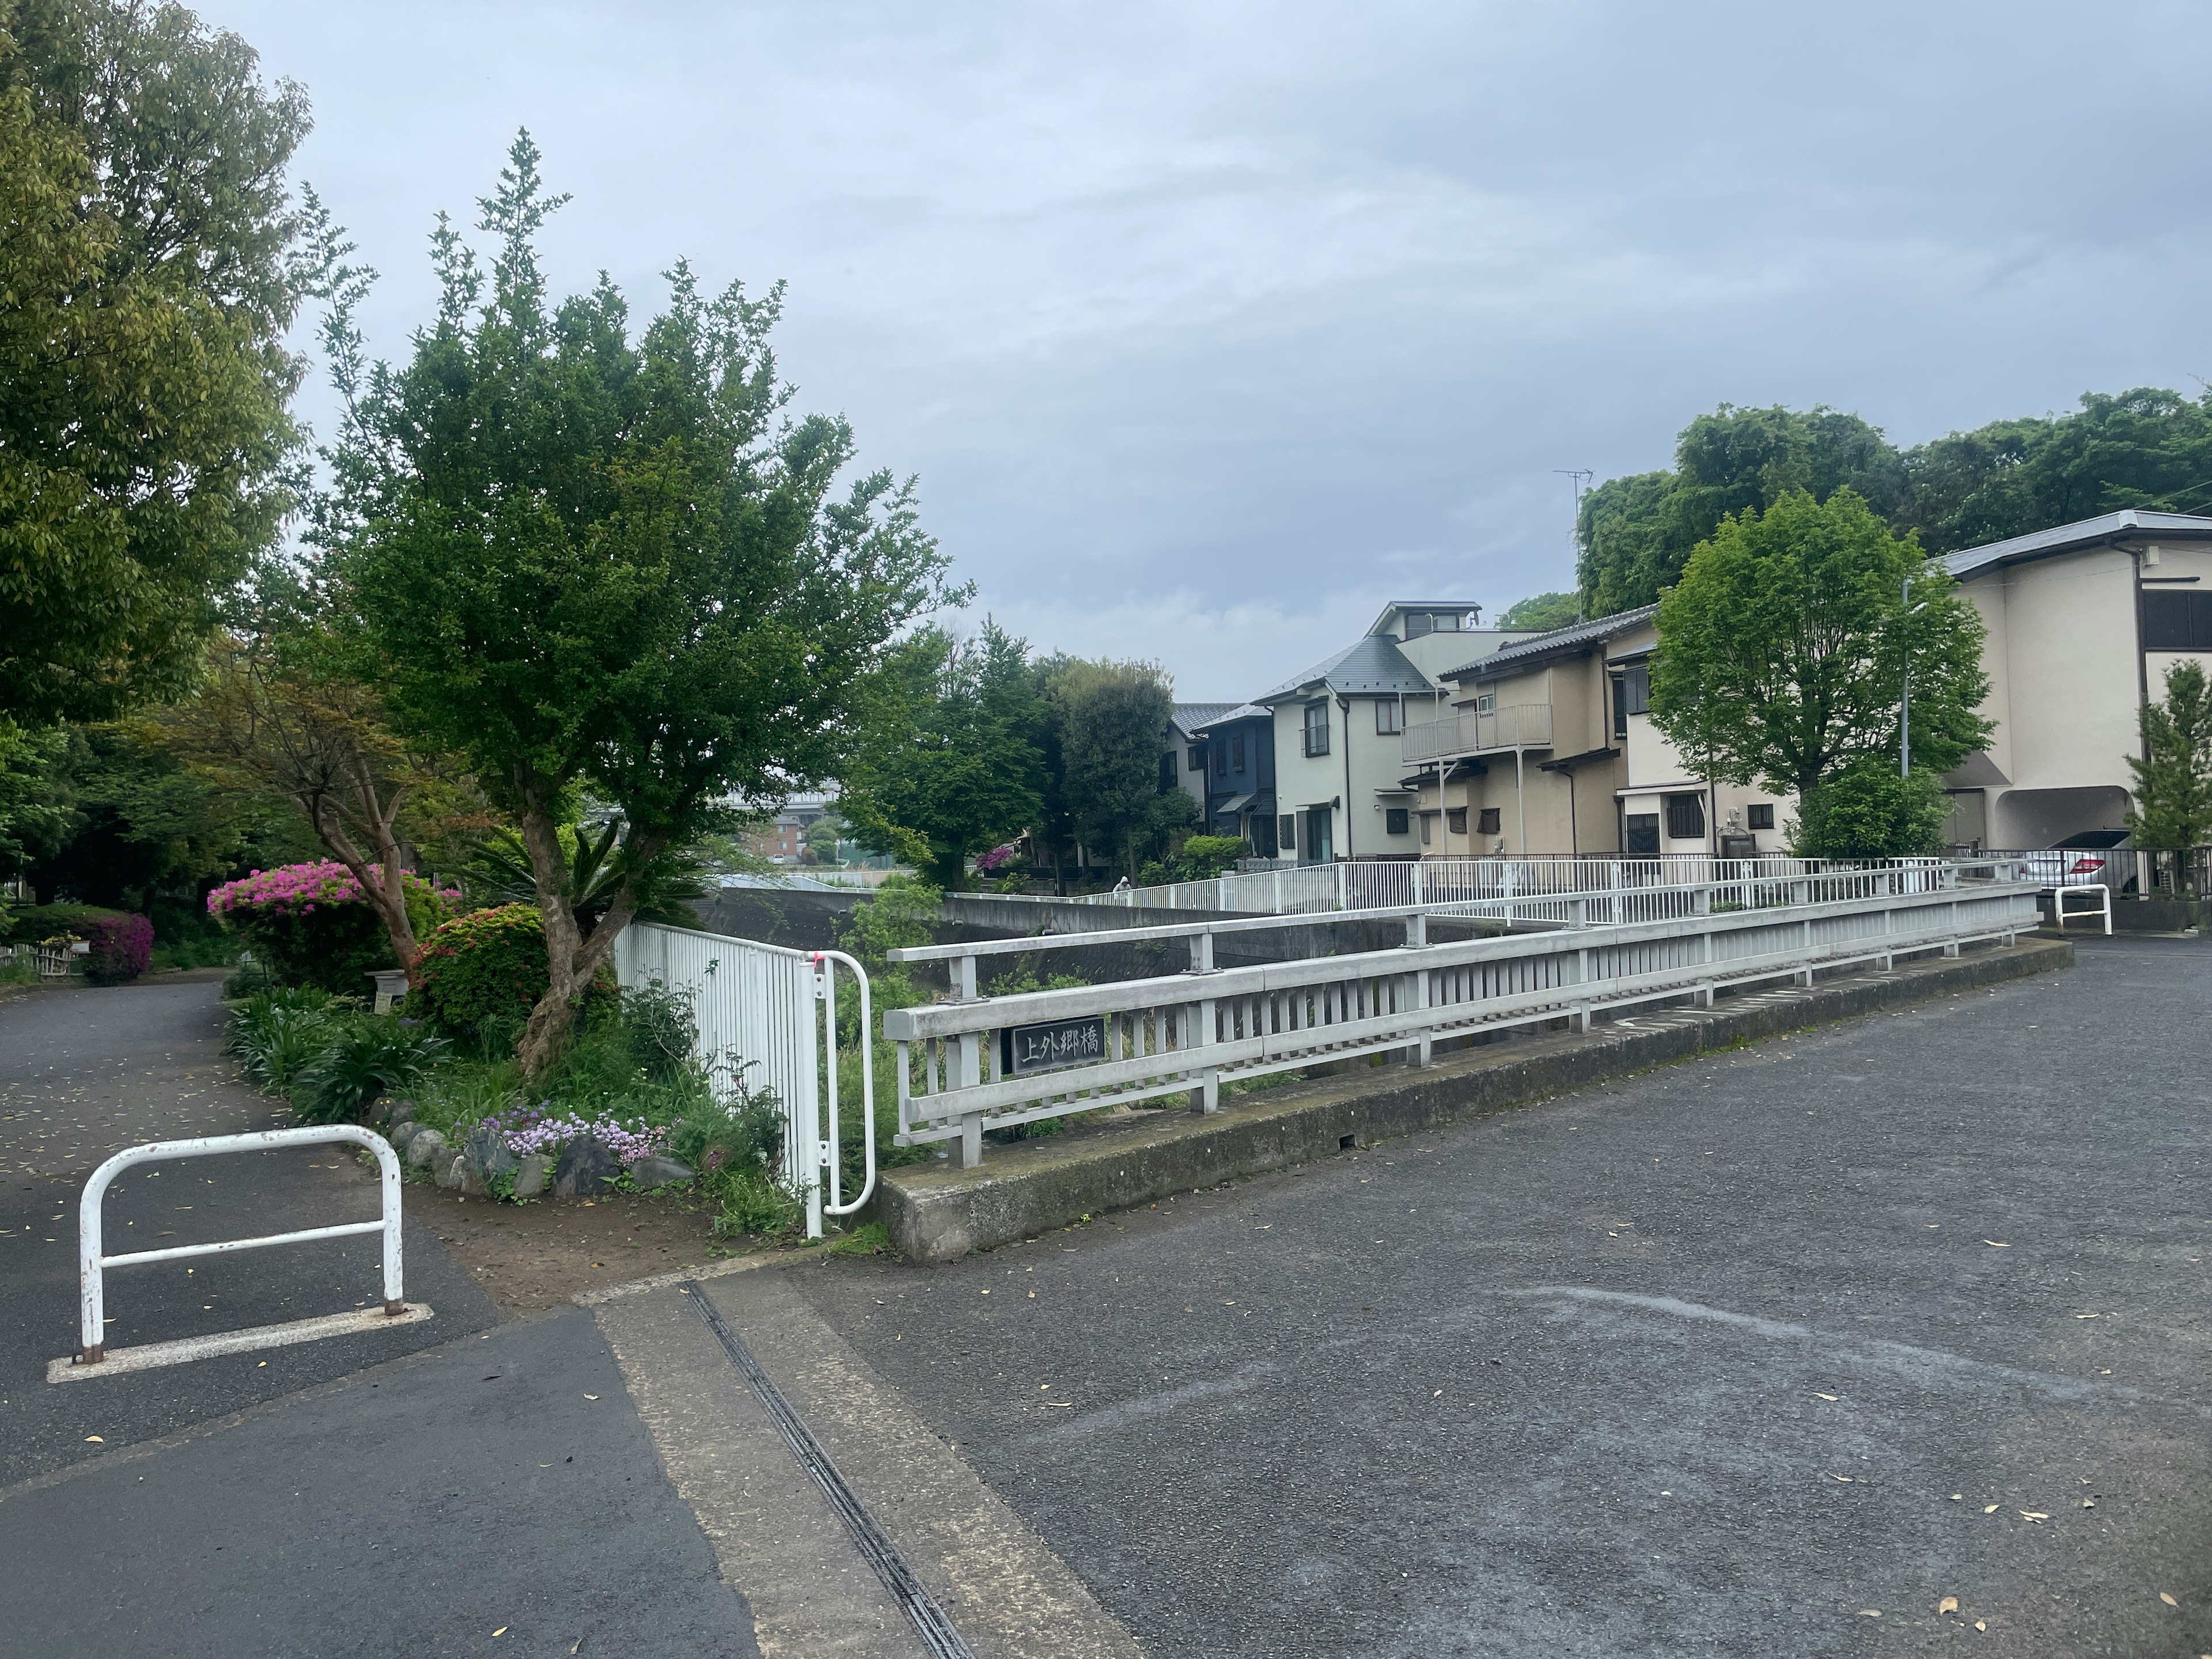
(1766, 1354)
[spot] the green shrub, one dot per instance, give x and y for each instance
(310, 924)
(278, 1033)
(368, 1057)
(1870, 810)
(479, 975)
(874, 1239)
(1204, 857)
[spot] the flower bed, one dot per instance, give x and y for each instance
(314, 925)
(541, 1128)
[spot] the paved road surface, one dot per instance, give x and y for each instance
(1764, 1353)
(1693, 1364)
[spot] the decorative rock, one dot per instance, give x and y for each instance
(532, 1175)
(585, 1170)
(402, 1111)
(489, 1152)
(449, 1164)
(423, 1146)
(654, 1171)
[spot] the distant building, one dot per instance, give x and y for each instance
(1240, 776)
(1340, 778)
(783, 837)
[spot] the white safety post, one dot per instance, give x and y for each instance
(92, 1264)
(825, 964)
(2104, 906)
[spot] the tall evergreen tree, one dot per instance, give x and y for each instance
(2174, 777)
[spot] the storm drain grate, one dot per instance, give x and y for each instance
(938, 1633)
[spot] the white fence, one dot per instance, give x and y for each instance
(973, 1063)
(756, 1008)
(1293, 890)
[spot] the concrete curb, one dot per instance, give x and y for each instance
(939, 1214)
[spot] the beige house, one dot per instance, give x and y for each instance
(2084, 622)
(1546, 746)
(1340, 783)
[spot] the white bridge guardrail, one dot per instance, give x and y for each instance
(93, 1265)
(976, 1063)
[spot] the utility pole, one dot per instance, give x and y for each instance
(1581, 477)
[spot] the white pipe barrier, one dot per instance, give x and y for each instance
(825, 964)
(2103, 906)
(91, 1264)
(975, 1063)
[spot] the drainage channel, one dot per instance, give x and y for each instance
(936, 1628)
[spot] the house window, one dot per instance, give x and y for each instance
(1287, 832)
(1640, 835)
(1620, 707)
(1316, 728)
(1318, 846)
(1686, 817)
(1487, 824)
(1389, 718)
(1636, 686)
(1221, 759)
(1759, 815)
(1486, 702)
(1418, 623)
(1446, 622)
(1197, 758)
(2177, 622)
(1455, 820)
(1237, 753)
(1394, 821)
(1428, 827)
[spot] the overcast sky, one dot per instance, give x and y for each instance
(1210, 327)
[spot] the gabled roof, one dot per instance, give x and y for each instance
(1243, 711)
(1372, 667)
(1460, 606)
(1510, 658)
(2074, 537)
(1192, 718)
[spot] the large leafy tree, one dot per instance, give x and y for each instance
(1636, 532)
(952, 759)
(145, 286)
(1783, 648)
(587, 559)
(1542, 613)
(1113, 719)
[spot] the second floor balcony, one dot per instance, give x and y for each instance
(1473, 732)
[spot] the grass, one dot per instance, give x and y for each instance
(874, 1239)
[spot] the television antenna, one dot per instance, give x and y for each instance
(1581, 477)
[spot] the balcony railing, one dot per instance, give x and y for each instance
(1519, 726)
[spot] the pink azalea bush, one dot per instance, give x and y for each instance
(313, 925)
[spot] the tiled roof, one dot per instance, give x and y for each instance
(1195, 717)
(1372, 666)
(1604, 627)
(2085, 532)
(1243, 711)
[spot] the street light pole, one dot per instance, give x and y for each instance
(1904, 695)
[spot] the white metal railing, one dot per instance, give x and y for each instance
(92, 1264)
(1288, 890)
(1517, 726)
(973, 1063)
(2101, 906)
(755, 1004)
(826, 964)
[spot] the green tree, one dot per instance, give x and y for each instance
(34, 797)
(2174, 777)
(1542, 613)
(1784, 646)
(952, 756)
(145, 287)
(1636, 532)
(1869, 809)
(587, 560)
(1113, 717)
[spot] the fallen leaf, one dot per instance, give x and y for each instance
(502, 1630)
(2088, 1502)
(1869, 1613)
(2089, 1315)
(2035, 1515)
(1845, 1478)
(1817, 1395)
(1948, 1604)
(2168, 1600)
(1991, 1509)
(591, 1396)
(1956, 1496)
(95, 1440)
(1994, 1245)
(1981, 1624)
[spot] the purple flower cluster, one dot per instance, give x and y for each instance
(996, 857)
(297, 889)
(537, 1129)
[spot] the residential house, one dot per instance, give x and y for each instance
(1185, 765)
(1338, 730)
(2084, 621)
(1546, 746)
(1240, 756)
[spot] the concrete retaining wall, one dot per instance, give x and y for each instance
(937, 1214)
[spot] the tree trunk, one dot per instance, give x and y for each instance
(381, 881)
(571, 958)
